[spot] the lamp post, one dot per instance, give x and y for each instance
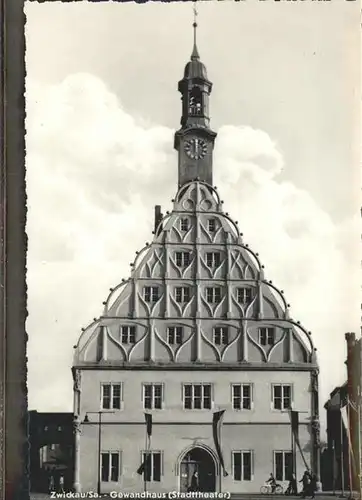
(86, 421)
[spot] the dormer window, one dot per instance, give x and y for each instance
(183, 259)
(128, 334)
(267, 336)
(213, 295)
(184, 224)
(175, 335)
(150, 293)
(213, 259)
(211, 225)
(221, 335)
(182, 294)
(243, 295)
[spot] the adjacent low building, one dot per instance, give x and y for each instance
(51, 440)
(341, 461)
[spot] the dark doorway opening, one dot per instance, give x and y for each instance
(197, 471)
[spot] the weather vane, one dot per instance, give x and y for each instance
(195, 23)
(195, 13)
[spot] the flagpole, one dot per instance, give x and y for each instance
(359, 440)
(349, 449)
(145, 461)
(342, 449)
(293, 448)
(334, 467)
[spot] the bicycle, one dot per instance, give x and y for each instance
(268, 489)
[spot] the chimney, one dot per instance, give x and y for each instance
(158, 217)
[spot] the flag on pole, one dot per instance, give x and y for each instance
(148, 418)
(294, 422)
(345, 420)
(216, 431)
(145, 467)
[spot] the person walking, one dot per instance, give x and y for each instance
(305, 482)
(195, 481)
(61, 483)
(51, 482)
(292, 486)
(313, 485)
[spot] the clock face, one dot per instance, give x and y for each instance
(195, 148)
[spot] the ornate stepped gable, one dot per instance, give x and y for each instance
(199, 279)
(197, 294)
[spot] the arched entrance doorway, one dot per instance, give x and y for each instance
(197, 471)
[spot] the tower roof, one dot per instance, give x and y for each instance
(195, 68)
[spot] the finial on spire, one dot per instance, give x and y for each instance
(195, 53)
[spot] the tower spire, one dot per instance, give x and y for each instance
(195, 52)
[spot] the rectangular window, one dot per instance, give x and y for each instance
(221, 335)
(282, 397)
(242, 465)
(184, 224)
(211, 225)
(175, 335)
(182, 294)
(267, 336)
(213, 295)
(244, 295)
(283, 465)
(152, 396)
(197, 396)
(150, 293)
(111, 396)
(183, 259)
(213, 259)
(110, 466)
(152, 461)
(128, 334)
(241, 396)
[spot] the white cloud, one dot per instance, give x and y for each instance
(94, 174)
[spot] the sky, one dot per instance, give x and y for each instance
(102, 108)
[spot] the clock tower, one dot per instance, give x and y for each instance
(194, 141)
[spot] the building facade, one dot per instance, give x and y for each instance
(196, 328)
(334, 461)
(354, 384)
(343, 460)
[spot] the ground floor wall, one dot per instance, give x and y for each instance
(174, 441)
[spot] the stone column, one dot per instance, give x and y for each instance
(77, 432)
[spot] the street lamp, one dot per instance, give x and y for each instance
(87, 421)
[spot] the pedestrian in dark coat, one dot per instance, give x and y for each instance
(292, 486)
(313, 485)
(305, 482)
(194, 482)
